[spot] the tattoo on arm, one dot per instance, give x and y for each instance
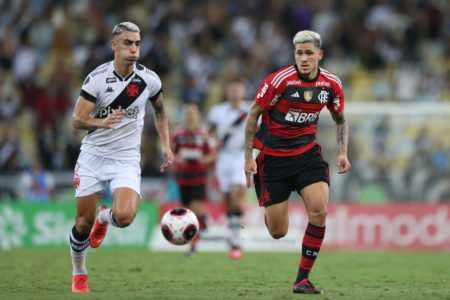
(341, 132)
(83, 123)
(251, 126)
(160, 112)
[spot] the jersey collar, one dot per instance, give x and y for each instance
(124, 78)
(307, 80)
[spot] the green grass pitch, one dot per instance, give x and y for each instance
(138, 274)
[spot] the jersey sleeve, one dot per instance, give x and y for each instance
(336, 104)
(154, 85)
(90, 88)
(265, 94)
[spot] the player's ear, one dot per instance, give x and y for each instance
(320, 54)
(113, 45)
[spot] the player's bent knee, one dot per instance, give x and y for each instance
(84, 225)
(277, 234)
(123, 219)
(318, 215)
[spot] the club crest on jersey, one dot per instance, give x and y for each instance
(323, 96)
(307, 95)
(132, 90)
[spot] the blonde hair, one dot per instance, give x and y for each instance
(124, 26)
(307, 36)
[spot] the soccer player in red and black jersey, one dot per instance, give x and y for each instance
(290, 101)
(193, 156)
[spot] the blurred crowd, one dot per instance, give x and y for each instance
(383, 50)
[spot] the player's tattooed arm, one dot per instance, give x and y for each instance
(341, 131)
(82, 120)
(162, 126)
(250, 166)
(342, 161)
(250, 127)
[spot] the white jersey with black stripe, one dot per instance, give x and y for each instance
(230, 126)
(109, 91)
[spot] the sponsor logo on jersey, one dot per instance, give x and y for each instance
(297, 116)
(131, 113)
(87, 80)
(99, 72)
(111, 79)
(323, 96)
(293, 82)
(307, 95)
(336, 102)
(132, 90)
(322, 83)
(275, 99)
(136, 79)
(263, 90)
(295, 95)
(109, 90)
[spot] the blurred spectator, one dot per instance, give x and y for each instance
(9, 147)
(383, 50)
(38, 185)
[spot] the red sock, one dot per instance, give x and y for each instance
(312, 241)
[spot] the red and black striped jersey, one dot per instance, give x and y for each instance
(292, 107)
(192, 145)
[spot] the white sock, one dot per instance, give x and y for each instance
(106, 217)
(234, 223)
(78, 251)
(103, 217)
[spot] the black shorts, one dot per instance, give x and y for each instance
(278, 176)
(192, 192)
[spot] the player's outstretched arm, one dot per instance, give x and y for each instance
(162, 126)
(342, 161)
(250, 130)
(82, 120)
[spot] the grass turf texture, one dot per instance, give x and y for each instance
(135, 274)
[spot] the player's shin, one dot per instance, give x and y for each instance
(312, 241)
(79, 246)
(234, 223)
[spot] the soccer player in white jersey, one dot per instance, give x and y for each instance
(111, 106)
(227, 121)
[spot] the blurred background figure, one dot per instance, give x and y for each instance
(193, 158)
(386, 52)
(227, 122)
(37, 183)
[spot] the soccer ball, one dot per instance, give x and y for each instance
(179, 226)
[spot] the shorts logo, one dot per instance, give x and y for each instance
(132, 90)
(77, 182)
(307, 95)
